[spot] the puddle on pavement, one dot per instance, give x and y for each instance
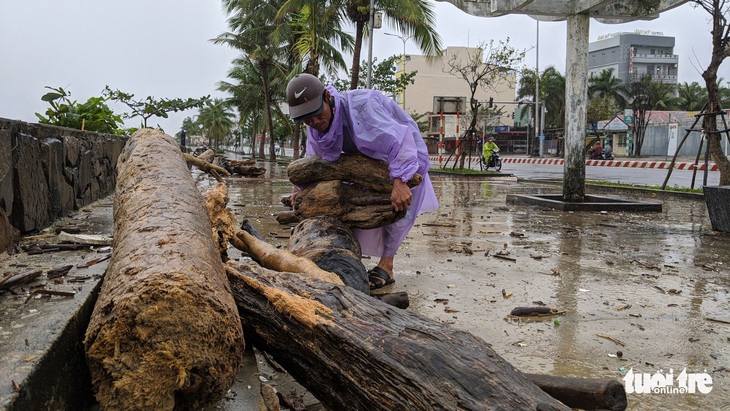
(648, 280)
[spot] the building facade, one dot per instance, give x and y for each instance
(633, 55)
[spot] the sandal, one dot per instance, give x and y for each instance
(379, 278)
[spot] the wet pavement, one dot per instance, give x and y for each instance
(650, 284)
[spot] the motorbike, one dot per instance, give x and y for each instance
(494, 161)
(603, 156)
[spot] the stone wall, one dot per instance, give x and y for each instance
(47, 172)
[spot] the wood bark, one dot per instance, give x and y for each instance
(583, 393)
(165, 332)
(332, 246)
(355, 353)
(353, 206)
(353, 168)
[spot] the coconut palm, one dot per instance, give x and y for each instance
(691, 96)
(413, 18)
(552, 95)
(252, 24)
(217, 118)
(644, 96)
(246, 94)
(607, 85)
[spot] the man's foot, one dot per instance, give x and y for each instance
(379, 278)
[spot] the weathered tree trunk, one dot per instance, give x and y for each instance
(354, 189)
(583, 393)
(333, 247)
(355, 353)
(353, 206)
(353, 168)
(165, 332)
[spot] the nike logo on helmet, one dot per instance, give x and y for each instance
(297, 94)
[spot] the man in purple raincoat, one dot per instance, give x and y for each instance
(367, 122)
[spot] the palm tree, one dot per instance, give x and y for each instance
(646, 95)
(317, 41)
(252, 24)
(552, 95)
(414, 18)
(691, 97)
(247, 93)
(606, 84)
(316, 35)
(217, 118)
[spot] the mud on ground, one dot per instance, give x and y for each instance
(651, 284)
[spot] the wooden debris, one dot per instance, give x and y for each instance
(88, 239)
(20, 279)
(355, 353)
(165, 331)
(614, 340)
(58, 272)
(583, 393)
(49, 292)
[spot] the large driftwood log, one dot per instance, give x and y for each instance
(165, 332)
(583, 393)
(353, 168)
(333, 247)
(353, 189)
(355, 353)
(353, 206)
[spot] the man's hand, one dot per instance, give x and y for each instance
(401, 195)
(293, 199)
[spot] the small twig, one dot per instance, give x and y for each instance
(717, 320)
(504, 257)
(49, 292)
(615, 340)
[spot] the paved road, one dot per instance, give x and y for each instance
(625, 175)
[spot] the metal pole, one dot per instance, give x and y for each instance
(537, 87)
(370, 44)
(404, 40)
(404, 70)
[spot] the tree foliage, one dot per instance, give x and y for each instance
(386, 78)
(486, 68)
(93, 115)
(645, 95)
(149, 106)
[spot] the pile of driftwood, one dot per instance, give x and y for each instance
(216, 164)
(165, 333)
(343, 190)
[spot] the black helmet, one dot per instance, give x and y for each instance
(304, 95)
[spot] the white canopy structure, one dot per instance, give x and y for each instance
(578, 14)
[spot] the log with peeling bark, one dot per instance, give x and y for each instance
(355, 353)
(333, 247)
(353, 206)
(165, 332)
(353, 168)
(205, 165)
(247, 171)
(583, 393)
(353, 189)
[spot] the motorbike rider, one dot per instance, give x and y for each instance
(597, 150)
(488, 150)
(608, 151)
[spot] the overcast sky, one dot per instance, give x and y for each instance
(161, 47)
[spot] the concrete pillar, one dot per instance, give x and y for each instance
(576, 102)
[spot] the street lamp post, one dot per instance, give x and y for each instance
(404, 40)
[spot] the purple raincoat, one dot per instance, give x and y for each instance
(367, 122)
